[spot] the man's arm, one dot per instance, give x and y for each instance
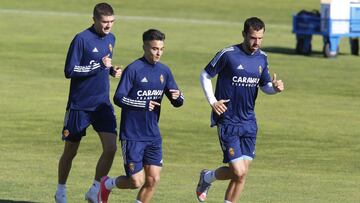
(125, 102)
(73, 69)
(176, 97)
(122, 99)
(205, 80)
(115, 71)
(218, 107)
(133, 104)
(172, 92)
(273, 87)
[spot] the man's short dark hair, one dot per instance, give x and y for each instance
(102, 9)
(153, 34)
(254, 23)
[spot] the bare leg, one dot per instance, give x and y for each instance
(152, 178)
(134, 182)
(223, 173)
(108, 141)
(70, 150)
(239, 171)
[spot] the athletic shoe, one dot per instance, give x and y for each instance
(92, 195)
(60, 198)
(104, 193)
(202, 187)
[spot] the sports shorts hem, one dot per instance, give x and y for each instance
(244, 157)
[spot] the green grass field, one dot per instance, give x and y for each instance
(308, 146)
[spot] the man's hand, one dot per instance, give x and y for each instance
(117, 70)
(174, 94)
(277, 84)
(152, 105)
(219, 107)
(107, 61)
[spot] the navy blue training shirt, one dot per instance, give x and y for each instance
(89, 87)
(239, 75)
(140, 83)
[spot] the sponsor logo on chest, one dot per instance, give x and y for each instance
(149, 94)
(154, 93)
(244, 81)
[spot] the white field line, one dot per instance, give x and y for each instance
(135, 18)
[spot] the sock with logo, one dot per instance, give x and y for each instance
(209, 176)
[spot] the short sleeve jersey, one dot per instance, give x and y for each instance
(239, 76)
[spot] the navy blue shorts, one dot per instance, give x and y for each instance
(76, 122)
(136, 154)
(237, 142)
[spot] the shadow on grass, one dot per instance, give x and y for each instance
(14, 201)
(287, 51)
(279, 50)
(291, 51)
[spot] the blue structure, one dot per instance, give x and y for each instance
(306, 24)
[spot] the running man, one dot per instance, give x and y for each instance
(139, 94)
(241, 69)
(88, 65)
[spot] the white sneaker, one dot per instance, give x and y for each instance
(92, 195)
(60, 198)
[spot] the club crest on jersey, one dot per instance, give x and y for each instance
(231, 151)
(66, 132)
(260, 69)
(110, 48)
(161, 79)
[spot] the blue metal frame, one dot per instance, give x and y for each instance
(309, 25)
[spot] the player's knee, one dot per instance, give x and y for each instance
(152, 181)
(69, 154)
(136, 183)
(70, 150)
(110, 150)
(239, 174)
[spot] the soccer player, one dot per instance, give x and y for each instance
(139, 94)
(241, 69)
(88, 65)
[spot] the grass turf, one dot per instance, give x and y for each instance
(308, 145)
